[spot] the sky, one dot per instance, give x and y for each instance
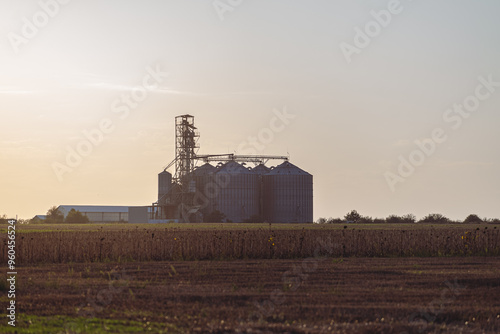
(393, 106)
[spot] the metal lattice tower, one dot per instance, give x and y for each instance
(186, 142)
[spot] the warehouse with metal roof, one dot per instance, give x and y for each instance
(99, 213)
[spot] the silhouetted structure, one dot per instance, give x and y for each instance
(282, 194)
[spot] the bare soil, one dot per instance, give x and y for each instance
(314, 295)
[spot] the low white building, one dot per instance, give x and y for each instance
(99, 213)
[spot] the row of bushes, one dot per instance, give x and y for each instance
(434, 218)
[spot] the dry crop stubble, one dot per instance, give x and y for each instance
(192, 244)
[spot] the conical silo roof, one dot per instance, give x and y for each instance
(287, 168)
(233, 167)
(261, 169)
(205, 169)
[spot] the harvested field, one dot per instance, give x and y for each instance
(258, 279)
(321, 295)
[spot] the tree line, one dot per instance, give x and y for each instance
(433, 218)
(55, 216)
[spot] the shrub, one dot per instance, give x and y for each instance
(436, 218)
(215, 217)
(36, 220)
(353, 216)
(321, 221)
(54, 216)
(365, 220)
(409, 219)
(76, 217)
(473, 219)
(393, 219)
(406, 219)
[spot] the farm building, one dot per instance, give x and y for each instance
(99, 213)
(39, 218)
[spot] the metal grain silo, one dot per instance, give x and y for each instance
(288, 195)
(238, 192)
(164, 183)
(261, 170)
(203, 177)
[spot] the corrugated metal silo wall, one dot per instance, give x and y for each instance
(288, 198)
(204, 196)
(238, 195)
(261, 170)
(164, 183)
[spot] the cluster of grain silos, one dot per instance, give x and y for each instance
(281, 194)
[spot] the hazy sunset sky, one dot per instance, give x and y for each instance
(353, 120)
